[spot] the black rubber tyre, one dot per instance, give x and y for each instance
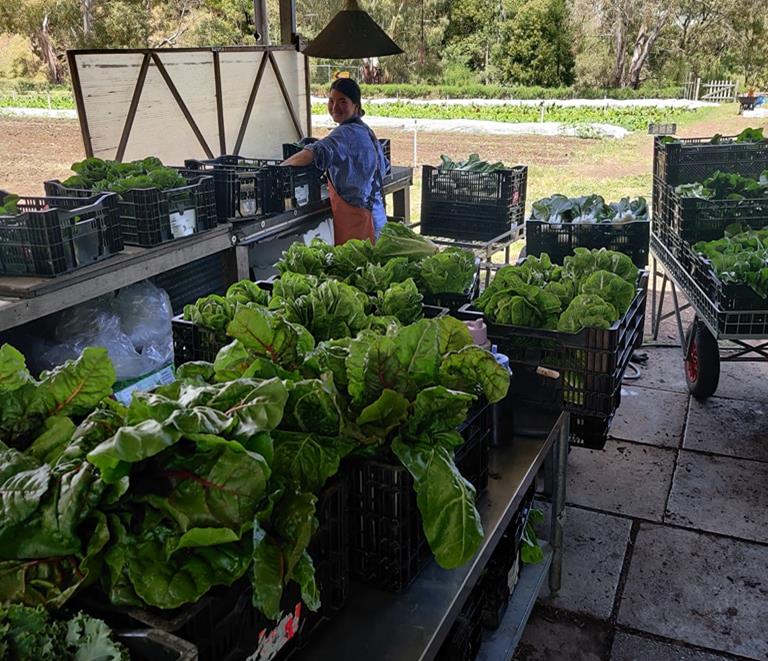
(702, 366)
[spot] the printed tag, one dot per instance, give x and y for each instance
(514, 574)
(183, 223)
(159, 378)
(272, 641)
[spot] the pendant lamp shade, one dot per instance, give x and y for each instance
(352, 34)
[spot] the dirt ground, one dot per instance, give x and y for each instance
(33, 150)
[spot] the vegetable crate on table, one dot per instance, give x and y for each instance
(559, 239)
(387, 544)
(157, 645)
(246, 188)
(454, 301)
(586, 367)
(55, 235)
(225, 626)
(289, 149)
(149, 216)
(193, 342)
(474, 206)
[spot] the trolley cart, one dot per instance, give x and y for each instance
(717, 333)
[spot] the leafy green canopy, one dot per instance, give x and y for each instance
(727, 186)
(589, 209)
(593, 289)
(740, 257)
(98, 175)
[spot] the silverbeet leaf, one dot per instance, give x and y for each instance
(446, 501)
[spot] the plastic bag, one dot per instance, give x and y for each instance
(134, 325)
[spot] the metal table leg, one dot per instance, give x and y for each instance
(557, 519)
(401, 203)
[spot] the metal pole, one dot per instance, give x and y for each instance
(287, 21)
(560, 454)
(261, 20)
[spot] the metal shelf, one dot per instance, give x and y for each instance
(500, 645)
(379, 626)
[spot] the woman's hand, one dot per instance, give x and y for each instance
(304, 157)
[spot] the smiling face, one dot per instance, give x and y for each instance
(340, 107)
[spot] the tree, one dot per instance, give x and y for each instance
(535, 45)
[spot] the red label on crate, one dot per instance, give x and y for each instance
(271, 641)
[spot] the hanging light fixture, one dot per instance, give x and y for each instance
(352, 34)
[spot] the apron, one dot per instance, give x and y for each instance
(353, 222)
(349, 222)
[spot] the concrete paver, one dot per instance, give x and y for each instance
(545, 639)
(629, 647)
(650, 416)
(743, 381)
(663, 370)
(625, 478)
(704, 590)
(720, 494)
(592, 561)
(728, 426)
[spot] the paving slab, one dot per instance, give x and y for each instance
(648, 415)
(548, 639)
(704, 590)
(732, 427)
(720, 494)
(628, 647)
(744, 381)
(663, 370)
(624, 478)
(595, 547)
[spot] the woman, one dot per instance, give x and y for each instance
(355, 163)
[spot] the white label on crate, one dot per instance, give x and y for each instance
(514, 574)
(248, 206)
(273, 640)
(302, 195)
(161, 377)
(183, 223)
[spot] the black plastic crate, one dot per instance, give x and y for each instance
(289, 149)
(591, 431)
(501, 572)
(246, 188)
(149, 216)
(464, 638)
(744, 324)
(472, 456)
(729, 296)
(454, 301)
(53, 235)
(586, 367)
(694, 159)
(559, 239)
(296, 186)
(329, 550)
(156, 645)
(192, 342)
(387, 544)
(694, 219)
(466, 205)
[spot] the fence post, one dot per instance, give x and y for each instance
(696, 89)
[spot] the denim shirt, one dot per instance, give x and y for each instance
(348, 156)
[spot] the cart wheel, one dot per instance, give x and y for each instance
(702, 366)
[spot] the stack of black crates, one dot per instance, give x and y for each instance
(680, 222)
